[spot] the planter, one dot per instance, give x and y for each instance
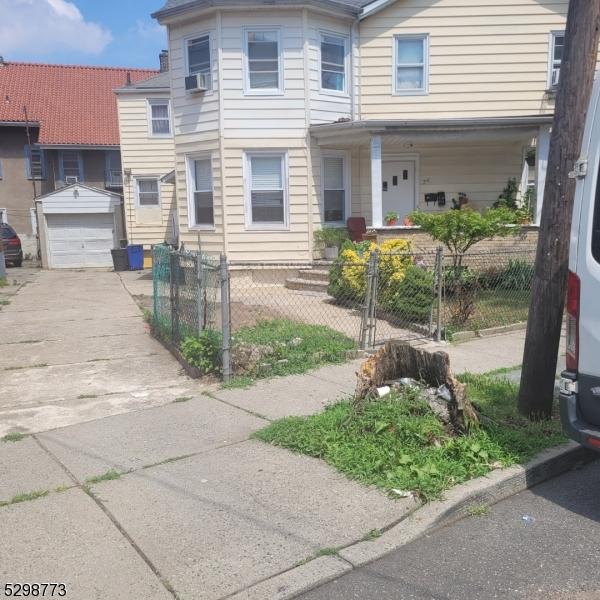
(391, 222)
(331, 252)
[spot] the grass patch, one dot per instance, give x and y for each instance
(25, 497)
(398, 442)
(372, 535)
(478, 510)
(108, 476)
(182, 399)
(15, 436)
(241, 382)
(296, 347)
(3, 282)
(326, 552)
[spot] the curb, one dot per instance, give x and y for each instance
(489, 489)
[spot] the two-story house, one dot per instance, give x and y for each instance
(59, 128)
(291, 115)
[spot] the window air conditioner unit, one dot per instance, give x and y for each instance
(70, 179)
(199, 82)
(555, 77)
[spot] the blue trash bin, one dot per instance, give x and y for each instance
(135, 252)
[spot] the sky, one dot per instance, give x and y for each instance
(82, 32)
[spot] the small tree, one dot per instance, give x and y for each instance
(458, 230)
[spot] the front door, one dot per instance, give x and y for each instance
(398, 180)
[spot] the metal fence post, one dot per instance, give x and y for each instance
(201, 294)
(439, 277)
(374, 269)
(225, 317)
(172, 284)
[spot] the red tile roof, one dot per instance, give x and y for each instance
(73, 104)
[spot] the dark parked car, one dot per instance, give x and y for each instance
(13, 253)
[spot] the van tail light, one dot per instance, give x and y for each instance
(13, 242)
(573, 295)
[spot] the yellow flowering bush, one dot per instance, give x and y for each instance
(348, 274)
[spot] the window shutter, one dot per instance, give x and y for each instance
(266, 173)
(27, 163)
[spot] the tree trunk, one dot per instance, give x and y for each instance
(549, 283)
(399, 359)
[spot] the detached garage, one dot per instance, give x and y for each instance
(79, 225)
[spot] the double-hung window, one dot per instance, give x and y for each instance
(557, 42)
(147, 191)
(34, 162)
(333, 63)
(159, 117)
(266, 196)
(71, 166)
(200, 184)
(411, 64)
(263, 62)
(198, 58)
(334, 189)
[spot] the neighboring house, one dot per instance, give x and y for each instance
(71, 114)
(148, 155)
(288, 116)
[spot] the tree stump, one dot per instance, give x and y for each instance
(399, 359)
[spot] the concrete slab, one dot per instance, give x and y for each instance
(273, 400)
(34, 386)
(70, 411)
(343, 375)
(66, 538)
(240, 514)
(146, 437)
(60, 352)
(25, 467)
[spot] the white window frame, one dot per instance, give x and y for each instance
(347, 191)
(247, 176)
(190, 189)
(61, 170)
(3, 216)
(150, 102)
(186, 40)
(248, 91)
(551, 40)
(136, 190)
(424, 37)
(345, 39)
(1, 172)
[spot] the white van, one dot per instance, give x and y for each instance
(580, 383)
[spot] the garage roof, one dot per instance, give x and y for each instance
(73, 105)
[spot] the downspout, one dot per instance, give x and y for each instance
(221, 127)
(307, 140)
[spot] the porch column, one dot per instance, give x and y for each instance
(542, 149)
(376, 182)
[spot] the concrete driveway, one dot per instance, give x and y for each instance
(74, 347)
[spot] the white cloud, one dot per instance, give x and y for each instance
(149, 29)
(35, 27)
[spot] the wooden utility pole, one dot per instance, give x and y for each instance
(549, 283)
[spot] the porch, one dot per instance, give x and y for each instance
(374, 169)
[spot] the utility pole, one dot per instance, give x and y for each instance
(37, 232)
(549, 282)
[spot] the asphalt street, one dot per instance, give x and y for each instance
(542, 543)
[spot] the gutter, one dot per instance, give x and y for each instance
(19, 123)
(161, 15)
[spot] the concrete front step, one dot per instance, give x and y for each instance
(314, 274)
(306, 285)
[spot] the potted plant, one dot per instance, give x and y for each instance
(408, 222)
(391, 218)
(331, 238)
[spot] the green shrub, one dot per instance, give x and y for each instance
(331, 237)
(517, 275)
(411, 298)
(203, 351)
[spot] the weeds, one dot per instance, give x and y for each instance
(478, 510)
(398, 442)
(182, 399)
(86, 396)
(108, 476)
(25, 497)
(15, 436)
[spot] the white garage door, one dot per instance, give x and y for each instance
(83, 240)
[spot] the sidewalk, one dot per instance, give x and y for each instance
(173, 499)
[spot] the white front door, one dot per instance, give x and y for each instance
(398, 182)
(80, 240)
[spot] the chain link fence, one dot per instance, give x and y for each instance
(282, 318)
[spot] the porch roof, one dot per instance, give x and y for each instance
(352, 132)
